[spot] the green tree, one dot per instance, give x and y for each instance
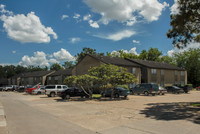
(111, 75)
(56, 67)
(85, 51)
(153, 54)
(68, 64)
(122, 54)
(185, 25)
(85, 82)
(190, 60)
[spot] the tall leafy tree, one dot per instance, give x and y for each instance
(85, 51)
(190, 60)
(185, 25)
(56, 67)
(68, 64)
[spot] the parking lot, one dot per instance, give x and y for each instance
(138, 114)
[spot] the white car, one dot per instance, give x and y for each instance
(51, 90)
(162, 90)
(39, 91)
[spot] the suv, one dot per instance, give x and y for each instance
(51, 90)
(117, 92)
(72, 92)
(145, 88)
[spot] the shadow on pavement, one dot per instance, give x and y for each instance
(174, 111)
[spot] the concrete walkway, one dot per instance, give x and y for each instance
(3, 124)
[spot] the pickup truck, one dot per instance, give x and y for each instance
(51, 90)
(72, 92)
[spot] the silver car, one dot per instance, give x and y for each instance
(39, 91)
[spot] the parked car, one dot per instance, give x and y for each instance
(51, 90)
(30, 89)
(8, 88)
(38, 91)
(145, 88)
(117, 92)
(162, 90)
(186, 88)
(72, 92)
(1, 88)
(174, 89)
(198, 88)
(21, 89)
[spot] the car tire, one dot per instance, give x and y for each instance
(153, 94)
(125, 96)
(63, 97)
(116, 95)
(67, 96)
(146, 93)
(52, 94)
(163, 93)
(38, 93)
(49, 95)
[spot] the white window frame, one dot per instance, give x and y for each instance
(133, 70)
(153, 71)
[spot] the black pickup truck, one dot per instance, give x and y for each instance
(72, 92)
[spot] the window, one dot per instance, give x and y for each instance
(132, 85)
(182, 73)
(49, 78)
(153, 71)
(40, 78)
(58, 87)
(56, 78)
(133, 70)
(176, 72)
(162, 72)
(182, 83)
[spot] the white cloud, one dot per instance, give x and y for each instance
(4, 11)
(176, 50)
(64, 16)
(126, 11)
(13, 51)
(93, 24)
(86, 17)
(39, 59)
(75, 40)
(27, 29)
(63, 55)
(135, 41)
(76, 16)
(117, 36)
(132, 50)
(174, 8)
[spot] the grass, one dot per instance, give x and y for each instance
(195, 104)
(96, 96)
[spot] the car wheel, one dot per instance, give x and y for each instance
(153, 94)
(163, 93)
(49, 95)
(125, 96)
(146, 93)
(132, 93)
(63, 97)
(67, 96)
(116, 96)
(52, 94)
(38, 93)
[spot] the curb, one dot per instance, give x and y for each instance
(3, 124)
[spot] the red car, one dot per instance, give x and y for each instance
(29, 90)
(198, 88)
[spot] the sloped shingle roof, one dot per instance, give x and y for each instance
(114, 60)
(62, 72)
(153, 64)
(36, 73)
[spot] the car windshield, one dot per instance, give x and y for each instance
(175, 87)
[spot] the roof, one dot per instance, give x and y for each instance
(153, 64)
(62, 72)
(114, 60)
(36, 73)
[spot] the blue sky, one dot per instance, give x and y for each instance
(42, 32)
